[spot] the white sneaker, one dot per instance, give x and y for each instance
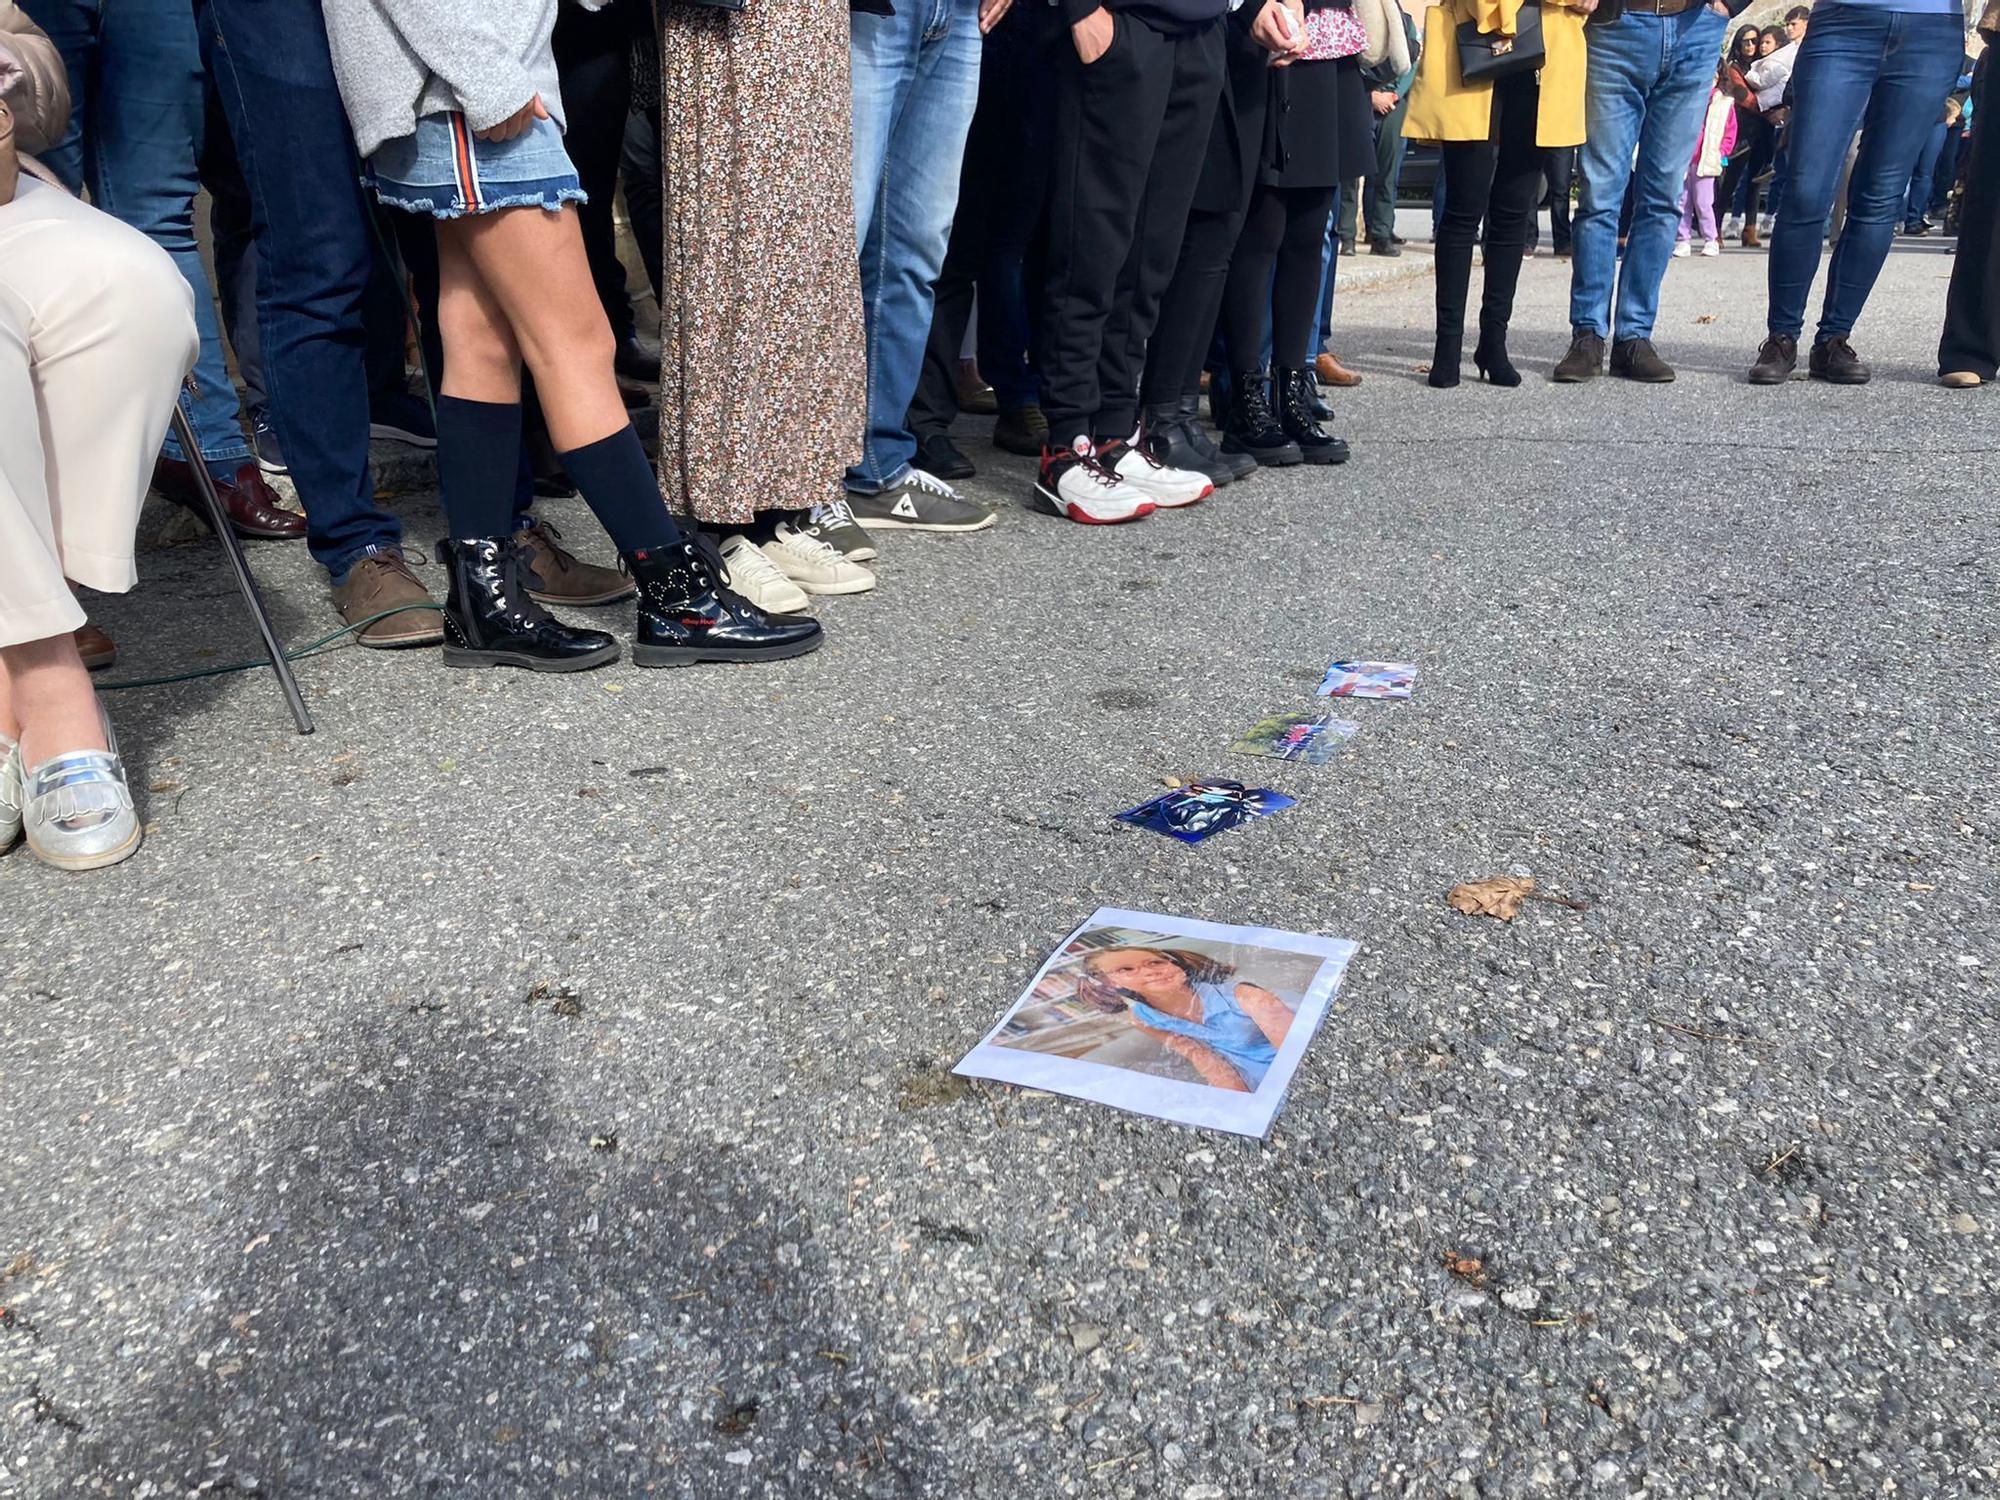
(1682, 249)
(1711, 247)
(758, 579)
(1169, 489)
(814, 565)
(1073, 484)
(1732, 225)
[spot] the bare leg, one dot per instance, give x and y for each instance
(46, 701)
(533, 268)
(482, 361)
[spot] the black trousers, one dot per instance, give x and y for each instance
(1559, 171)
(1746, 164)
(997, 239)
(594, 65)
(1972, 308)
(1130, 133)
(1500, 179)
(639, 171)
(1274, 276)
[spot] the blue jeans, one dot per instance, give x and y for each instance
(1329, 264)
(1919, 200)
(135, 139)
(916, 80)
(274, 75)
(1648, 77)
(1884, 73)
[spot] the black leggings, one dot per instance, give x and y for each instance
(1274, 276)
(1500, 180)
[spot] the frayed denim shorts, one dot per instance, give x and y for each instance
(446, 171)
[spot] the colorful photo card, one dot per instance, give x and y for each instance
(1202, 809)
(1369, 679)
(1311, 738)
(1183, 1020)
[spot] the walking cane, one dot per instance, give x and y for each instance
(218, 520)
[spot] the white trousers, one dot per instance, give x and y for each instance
(96, 334)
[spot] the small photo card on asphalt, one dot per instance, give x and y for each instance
(1369, 679)
(1196, 1022)
(1311, 738)
(1202, 809)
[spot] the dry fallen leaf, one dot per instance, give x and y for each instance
(1467, 1268)
(1706, 318)
(1496, 896)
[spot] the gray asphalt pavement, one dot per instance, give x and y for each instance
(533, 1086)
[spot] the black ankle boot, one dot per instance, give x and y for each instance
(1252, 429)
(1444, 360)
(1169, 442)
(489, 620)
(688, 614)
(1315, 402)
(1316, 445)
(1490, 357)
(1188, 415)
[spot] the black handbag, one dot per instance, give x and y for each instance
(1489, 55)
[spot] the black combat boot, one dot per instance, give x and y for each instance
(1252, 428)
(1168, 442)
(489, 620)
(687, 614)
(1318, 446)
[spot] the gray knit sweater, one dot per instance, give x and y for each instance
(398, 59)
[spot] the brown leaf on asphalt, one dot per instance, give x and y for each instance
(1706, 318)
(1496, 896)
(1467, 1268)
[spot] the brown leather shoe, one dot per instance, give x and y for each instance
(382, 582)
(96, 648)
(1750, 238)
(556, 576)
(253, 506)
(1834, 360)
(1332, 372)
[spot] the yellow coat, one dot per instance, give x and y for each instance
(1444, 107)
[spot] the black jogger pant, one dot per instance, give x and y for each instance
(1131, 130)
(1972, 308)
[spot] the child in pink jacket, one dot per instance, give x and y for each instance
(1711, 153)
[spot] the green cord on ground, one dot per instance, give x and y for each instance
(311, 649)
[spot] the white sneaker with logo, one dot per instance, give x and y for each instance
(814, 565)
(1073, 484)
(758, 579)
(1167, 488)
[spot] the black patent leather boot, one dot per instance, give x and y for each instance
(489, 620)
(1295, 412)
(1252, 428)
(687, 613)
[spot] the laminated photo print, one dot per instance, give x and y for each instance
(1196, 1022)
(1369, 679)
(1202, 809)
(1311, 738)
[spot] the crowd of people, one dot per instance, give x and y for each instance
(858, 219)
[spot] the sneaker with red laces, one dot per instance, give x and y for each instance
(1073, 484)
(1167, 487)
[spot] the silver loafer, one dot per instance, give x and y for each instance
(10, 793)
(77, 809)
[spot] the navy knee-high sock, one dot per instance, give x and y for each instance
(478, 459)
(615, 478)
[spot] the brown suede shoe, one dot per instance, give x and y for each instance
(1750, 237)
(382, 582)
(556, 576)
(96, 648)
(1332, 372)
(253, 506)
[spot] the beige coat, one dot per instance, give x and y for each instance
(33, 86)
